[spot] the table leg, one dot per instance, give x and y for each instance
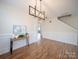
(11, 46)
(27, 41)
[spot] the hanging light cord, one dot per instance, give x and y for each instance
(36, 4)
(40, 5)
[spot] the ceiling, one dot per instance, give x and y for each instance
(52, 7)
(60, 7)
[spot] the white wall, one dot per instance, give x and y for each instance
(14, 12)
(59, 31)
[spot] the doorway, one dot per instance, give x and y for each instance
(39, 31)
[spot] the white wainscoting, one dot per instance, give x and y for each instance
(5, 42)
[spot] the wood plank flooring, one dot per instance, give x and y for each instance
(44, 49)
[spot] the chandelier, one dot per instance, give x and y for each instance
(33, 11)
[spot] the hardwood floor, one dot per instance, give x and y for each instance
(44, 49)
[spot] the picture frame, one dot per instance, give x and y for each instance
(19, 29)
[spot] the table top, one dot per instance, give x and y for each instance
(19, 37)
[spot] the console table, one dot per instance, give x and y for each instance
(20, 37)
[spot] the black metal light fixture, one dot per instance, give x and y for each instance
(33, 11)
